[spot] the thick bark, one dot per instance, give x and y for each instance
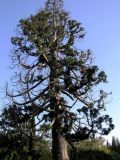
(59, 145)
(31, 138)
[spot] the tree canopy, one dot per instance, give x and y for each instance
(54, 80)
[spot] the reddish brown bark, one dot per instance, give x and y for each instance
(59, 145)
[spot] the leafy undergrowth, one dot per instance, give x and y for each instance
(94, 150)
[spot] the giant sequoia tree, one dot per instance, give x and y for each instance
(57, 79)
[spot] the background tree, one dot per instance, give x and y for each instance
(96, 149)
(57, 79)
(115, 145)
(18, 139)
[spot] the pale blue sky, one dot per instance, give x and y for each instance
(101, 20)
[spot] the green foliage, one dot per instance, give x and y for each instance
(115, 146)
(17, 148)
(94, 150)
(55, 82)
(52, 72)
(17, 137)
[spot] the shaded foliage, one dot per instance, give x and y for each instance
(115, 145)
(16, 140)
(46, 58)
(55, 81)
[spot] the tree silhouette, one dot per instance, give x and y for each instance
(57, 79)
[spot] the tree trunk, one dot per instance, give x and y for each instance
(59, 145)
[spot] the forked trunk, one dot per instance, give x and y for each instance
(59, 146)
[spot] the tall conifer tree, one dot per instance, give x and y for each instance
(57, 79)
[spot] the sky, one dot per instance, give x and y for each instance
(101, 20)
